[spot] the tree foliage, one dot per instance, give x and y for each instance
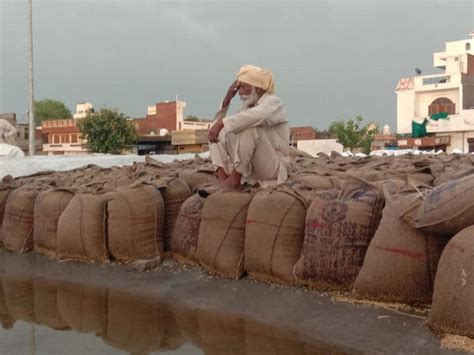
(107, 131)
(352, 134)
(49, 109)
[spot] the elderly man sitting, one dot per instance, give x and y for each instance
(7, 132)
(253, 145)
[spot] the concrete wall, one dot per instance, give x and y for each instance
(316, 146)
(458, 47)
(405, 110)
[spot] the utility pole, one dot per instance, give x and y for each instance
(31, 111)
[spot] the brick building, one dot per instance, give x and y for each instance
(302, 134)
(62, 136)
(167, 115)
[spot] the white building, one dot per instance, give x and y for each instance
(83, 109)
(452, 92)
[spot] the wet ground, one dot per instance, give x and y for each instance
(50, 307)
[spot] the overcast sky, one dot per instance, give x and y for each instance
(331, 59)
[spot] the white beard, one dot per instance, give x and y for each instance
(249, 100)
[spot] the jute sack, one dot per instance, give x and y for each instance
(133, 324)
(337, 235)
(222, 233)
(49, 206)
(174, 193)
(135, 223)
(274, 234)
(83, 307)
(313, 180)
(3, 203)
(184, 240)
(82, 229)
(400, 264)
(452, 310)
(449, 208)
(46, 304)
(198, 177)
(18, 220)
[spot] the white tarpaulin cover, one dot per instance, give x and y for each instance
(8, 150)
(19, 166)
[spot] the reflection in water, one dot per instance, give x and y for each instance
(140, 325)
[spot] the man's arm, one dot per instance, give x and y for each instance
(217, 126)
(8, 130)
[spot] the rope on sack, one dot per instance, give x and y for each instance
(421, 194)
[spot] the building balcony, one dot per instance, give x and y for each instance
(462, 121)
(64, 147)
(437, 82)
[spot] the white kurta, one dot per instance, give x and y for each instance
(255, 142)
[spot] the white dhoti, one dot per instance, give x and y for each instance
(250, 153)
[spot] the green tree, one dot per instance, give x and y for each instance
(107, 131)
(352, 134)
(48, 109)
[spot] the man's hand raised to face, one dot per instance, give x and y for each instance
(231, 92)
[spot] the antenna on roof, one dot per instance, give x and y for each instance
(418, 71)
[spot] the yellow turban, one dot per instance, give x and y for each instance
(258, 77)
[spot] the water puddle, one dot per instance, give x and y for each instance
(48, 316)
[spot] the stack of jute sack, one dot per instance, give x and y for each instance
(377, 226)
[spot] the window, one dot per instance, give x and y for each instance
(468, 46)
(442, 104)
(64, 138)
(56, 139)
(73, 138)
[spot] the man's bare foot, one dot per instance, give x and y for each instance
(221, 175)
(232, 182)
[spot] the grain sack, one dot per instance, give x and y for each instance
(49, 206)
(452, 309)
(82, 229)
(274, 234)
(449, 208)
(313, 180)
(174, 193)
(184, 240)
(198, 177)
(4, 192)
(83, 307)
(134, 324)
(222, 233)
(46, 304)
(18, 220)
(338, 233)
(401, 262)
(135, 223)
(19, 297)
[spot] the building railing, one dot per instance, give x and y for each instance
(59, 123)
(59, 147)
(441, 79)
